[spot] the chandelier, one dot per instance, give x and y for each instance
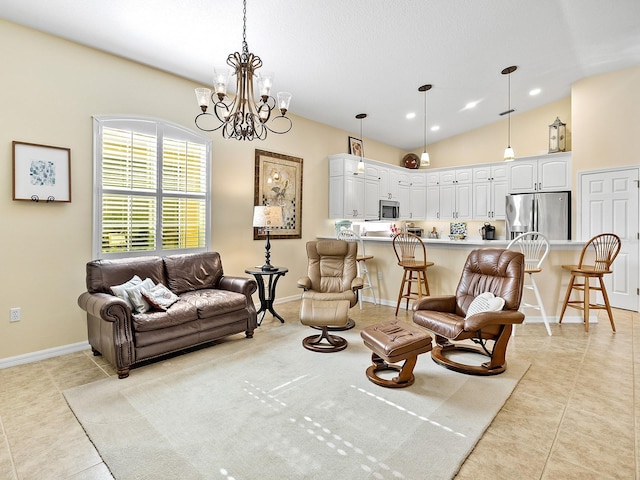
(242, 117)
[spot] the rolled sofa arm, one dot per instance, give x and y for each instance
(115, 342)
(243, 285)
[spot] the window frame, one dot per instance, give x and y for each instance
(159, 128)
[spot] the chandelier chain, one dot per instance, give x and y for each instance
(245, 46)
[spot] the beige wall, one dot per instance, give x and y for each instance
(49, 90)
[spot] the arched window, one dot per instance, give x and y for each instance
(151, 188)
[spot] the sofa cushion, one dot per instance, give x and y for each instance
(102, 274)
(176, 314)
(191, 272)
(211, 302)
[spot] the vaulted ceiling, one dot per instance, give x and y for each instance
(343, 57)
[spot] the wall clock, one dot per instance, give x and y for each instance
(411, 160)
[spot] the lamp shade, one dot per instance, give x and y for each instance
(267, 216)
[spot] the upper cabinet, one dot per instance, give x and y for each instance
(346, 188)
(489, 189)
(546, 173)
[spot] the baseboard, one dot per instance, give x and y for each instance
(42, 354)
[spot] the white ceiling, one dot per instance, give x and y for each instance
(343, 57)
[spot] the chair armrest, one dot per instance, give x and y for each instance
(243, 285)
(484, 319)
(304, 282)
(436, 303)
(107, 307)
(357, 283)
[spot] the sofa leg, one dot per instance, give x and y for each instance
(96, 353)
(123, 372)
(248, 333)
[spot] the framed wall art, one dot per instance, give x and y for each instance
(41, 173)
(355, 146)
(278, 181)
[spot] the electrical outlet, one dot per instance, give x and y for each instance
(14, 314)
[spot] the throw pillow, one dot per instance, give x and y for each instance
(140, 305)
(485, 302)
(160, 297)
(120, 290)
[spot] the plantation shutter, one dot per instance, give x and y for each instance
(152, 189)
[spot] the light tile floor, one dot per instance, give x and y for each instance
(573, 415)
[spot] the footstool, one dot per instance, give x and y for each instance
(392, 342)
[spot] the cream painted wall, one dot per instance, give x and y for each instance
(49, 90)
(529, 136)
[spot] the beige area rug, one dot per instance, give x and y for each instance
(267, 408)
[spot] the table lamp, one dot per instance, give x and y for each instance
(267, 218)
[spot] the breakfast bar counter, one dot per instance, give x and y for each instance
(449, 257)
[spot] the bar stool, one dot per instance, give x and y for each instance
(412, 257)
(595, 262)
(361, 259)
(535, 248)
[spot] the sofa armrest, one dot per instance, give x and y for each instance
(304, 282)
(107, 307)
(485, 319)
(436, 303)
(243, 285)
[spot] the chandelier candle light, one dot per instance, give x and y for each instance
(267, 218)
(509, 155)
(424, 158)
(243, 118)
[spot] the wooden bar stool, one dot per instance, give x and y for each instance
(535, 248)
(412, 257)
(595, 262)
(361, 259)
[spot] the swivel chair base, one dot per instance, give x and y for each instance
(333, 343)
(438, 355)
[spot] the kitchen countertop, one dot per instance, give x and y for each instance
(467, 242)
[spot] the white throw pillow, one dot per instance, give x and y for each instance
(120, 290)
(140, 305)
(485, 302)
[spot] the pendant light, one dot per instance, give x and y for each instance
(424, 158)
(360, 168)
(509, 155)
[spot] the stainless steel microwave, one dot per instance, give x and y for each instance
(389, 210)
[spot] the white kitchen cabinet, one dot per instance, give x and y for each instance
(346, 188)
(413, 202)
(456, 176)
(546, 173)
(455, 202)
(489, 200)
(489, 191)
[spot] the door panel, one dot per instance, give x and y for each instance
(609, 202)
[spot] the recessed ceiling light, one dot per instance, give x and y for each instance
(411, 115)
(470, 105)
(535, 91)
(435, 128)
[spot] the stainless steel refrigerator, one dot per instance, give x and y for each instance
(548, 213)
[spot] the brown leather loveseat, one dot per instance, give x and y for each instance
(209, 306)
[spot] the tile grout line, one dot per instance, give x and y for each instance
(6, 442)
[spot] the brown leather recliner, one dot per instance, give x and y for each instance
(494, 270)
(330, 290)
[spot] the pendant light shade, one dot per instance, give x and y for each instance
(424, 158)
(360, 168)
(509, 154)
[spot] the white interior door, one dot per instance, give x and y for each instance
(609, 204)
